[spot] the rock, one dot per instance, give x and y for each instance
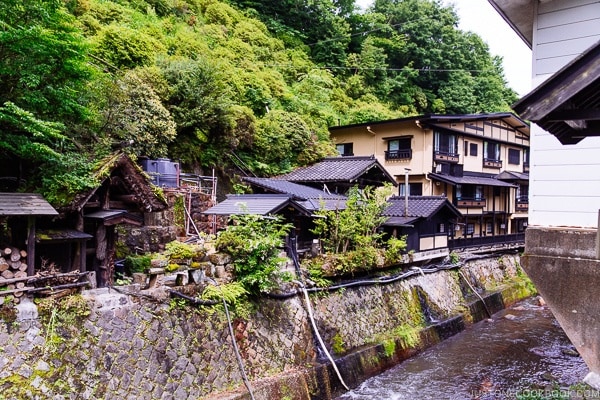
(570, 352)
(510, 317)
(219, 258)
(541, 301)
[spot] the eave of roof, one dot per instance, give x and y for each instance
(519, 16)
(260, 204)
(470, 180)
(338, 169)
(294, 189)
(568, 103)
(418, 206)
(22, 204)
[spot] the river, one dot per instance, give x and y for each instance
(519, 353)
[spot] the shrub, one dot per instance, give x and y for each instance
(254, 243)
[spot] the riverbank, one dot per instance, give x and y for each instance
(125, 346)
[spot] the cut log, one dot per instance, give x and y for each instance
(8, 274)
(3, 265)
(16, 300)
(23, 266)
(20, 274)
(15, 265)
(20, 285)
(19, 293)
(14, 255)
(23, 253)
(6, 251)
(9, 287)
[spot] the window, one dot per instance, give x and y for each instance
(469, 192)
(345, 149)
(414, 189)
(489, 227)
(466, 148)
(526, 158)
(514, 156)
(491, 151)
(473, 149)
(470, 229)
(445, 143)
(398, 148)
(441, 228)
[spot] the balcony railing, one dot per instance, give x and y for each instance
(405, 154)
(445, 156)
(522, 203)
(492, 163)
(470, 202)
(512, 239)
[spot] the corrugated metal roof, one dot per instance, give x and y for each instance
(25, 204)
(470, 180)
(418, 206)
(291, 188)
(336, 169)
(260, 204)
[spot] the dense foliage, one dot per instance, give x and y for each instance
(244, 84)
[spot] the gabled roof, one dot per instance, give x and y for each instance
(512, 176)
(470, 180)
(131, 179)
(285, 187)
(24, 204)
(568, 103)
(418, 206)
(260, 204)
(340, 169)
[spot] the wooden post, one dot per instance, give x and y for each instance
(82, 255)
(30, 245)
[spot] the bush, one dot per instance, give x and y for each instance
(254, 243)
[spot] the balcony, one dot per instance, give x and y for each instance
(444, 156)
(492, 163)
(522, 203)
(470, 203)
(405, 154)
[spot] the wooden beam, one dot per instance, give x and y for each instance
(31, 246)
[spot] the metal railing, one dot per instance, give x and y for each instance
(398, 154)
(510, 239)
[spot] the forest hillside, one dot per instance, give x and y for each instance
(231, 85)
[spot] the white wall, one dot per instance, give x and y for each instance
(564, 179)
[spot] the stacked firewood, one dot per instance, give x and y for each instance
(13, 270)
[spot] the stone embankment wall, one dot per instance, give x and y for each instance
(122, 346)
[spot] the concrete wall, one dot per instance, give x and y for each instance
(133, 348)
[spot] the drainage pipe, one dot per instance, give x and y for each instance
(476, 293)
(235, 346)
(314, 325)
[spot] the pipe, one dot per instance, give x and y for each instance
(314, 325)
(476, 293)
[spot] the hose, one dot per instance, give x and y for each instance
(476, 293)
(235, 346)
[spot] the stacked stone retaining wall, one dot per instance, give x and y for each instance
(130, 347)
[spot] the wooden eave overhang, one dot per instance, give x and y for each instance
(567, 104)
(25, 204)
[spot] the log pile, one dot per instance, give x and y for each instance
(13, 268)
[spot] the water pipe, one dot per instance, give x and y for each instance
(476, 293)
(314, 326)
(235, 346)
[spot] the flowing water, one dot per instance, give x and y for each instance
(520, 353)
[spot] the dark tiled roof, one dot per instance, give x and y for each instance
(261, 204)
(25, 204)
(294, 189)
(337, 169)
(418, 206)
(470, 180)
(326, 204)
(512, 176)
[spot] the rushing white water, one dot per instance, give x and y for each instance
(520, 353)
